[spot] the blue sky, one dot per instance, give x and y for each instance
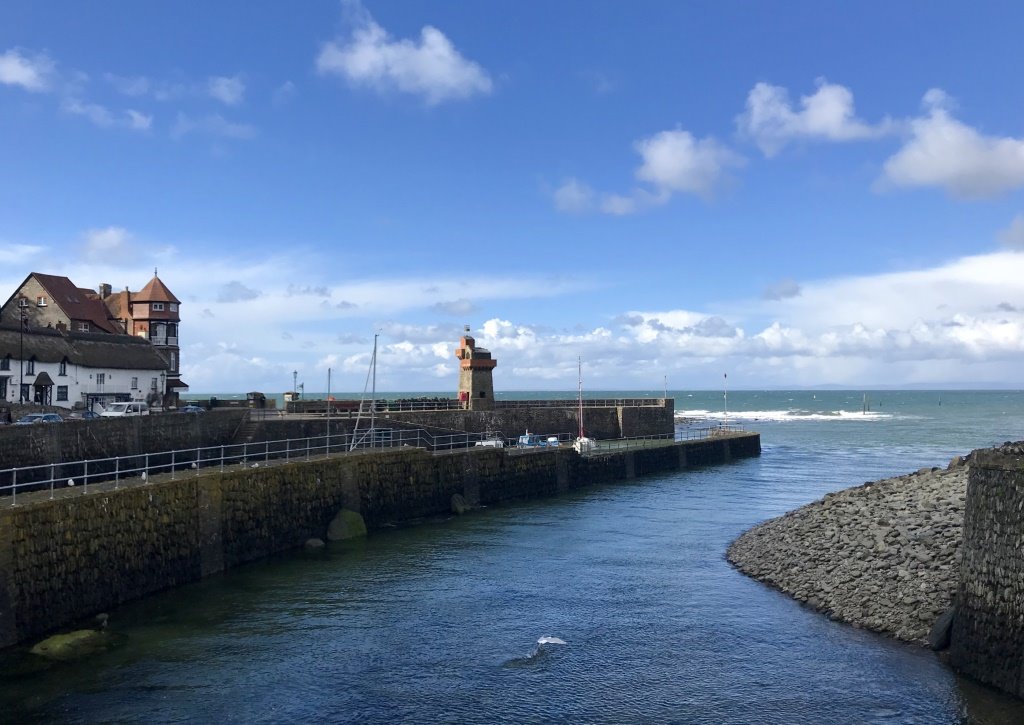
(796, 193)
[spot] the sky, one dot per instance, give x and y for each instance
(793, 194)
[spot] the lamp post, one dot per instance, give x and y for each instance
(163, 389)
(23, 319)
(295, 381)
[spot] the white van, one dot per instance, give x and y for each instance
(120, 410)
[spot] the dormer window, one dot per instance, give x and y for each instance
(30, 366)
(40, 301)
(83, 326)
(63, 369)
(158, 307)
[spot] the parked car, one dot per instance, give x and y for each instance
(33, 418)
(84, 415)
(192, 409)
(121, 410)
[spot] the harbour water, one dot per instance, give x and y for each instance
(441, 621)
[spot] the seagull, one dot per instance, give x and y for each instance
(195, 465)
(71, 482)
(144, 476)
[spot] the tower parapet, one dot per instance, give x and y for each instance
(476, 384)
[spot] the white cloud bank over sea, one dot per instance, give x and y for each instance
(954, 323)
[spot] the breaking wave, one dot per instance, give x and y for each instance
(793, 414)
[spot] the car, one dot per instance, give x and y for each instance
(192, 409)
(121, 410)
(33, 418)
(84, 415)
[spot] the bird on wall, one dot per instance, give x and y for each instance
(71, 482)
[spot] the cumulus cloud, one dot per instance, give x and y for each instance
(771, 121)
(946, 153)
(212, 125)
(228, 90)
(29, 72)
(430, 67)
(18, 254)
(672, 162)
(235, 291)
(676, 161)
(1013, 235)
(781, 290)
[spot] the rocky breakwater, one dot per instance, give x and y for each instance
(884, 556)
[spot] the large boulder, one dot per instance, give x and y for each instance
(72, 645)
(939, 636)
(346, 525)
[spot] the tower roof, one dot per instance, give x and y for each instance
(155, 291)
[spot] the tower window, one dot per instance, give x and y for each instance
(158, 307)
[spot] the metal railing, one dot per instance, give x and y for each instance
(53, 476)
(191, 461)
(587, 403)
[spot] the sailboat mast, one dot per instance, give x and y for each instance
(373, 390)
(579, 370)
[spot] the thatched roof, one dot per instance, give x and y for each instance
(94, 350)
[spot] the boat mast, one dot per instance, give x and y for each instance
(373, 390)
(579, 367)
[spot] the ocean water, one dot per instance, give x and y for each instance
(610, 605)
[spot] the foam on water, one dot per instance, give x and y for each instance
(792, 414)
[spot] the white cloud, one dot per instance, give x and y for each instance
(455, 308)
(212, 125)
(1013, 235)
(228, 90)
(828, 114)
(675, 161)
(431, 68)
(32, 73)
(105, 118)
(109, 244)
(573, 197)
(18, 254)
(946, 153)
(235, 291)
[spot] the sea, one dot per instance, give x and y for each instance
(613, 604)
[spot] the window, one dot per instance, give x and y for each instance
(135, 383)
(5, 363)
(173, 307)
(62, 392)
(30, 367)
(83, 326)
(152, 385)
(158, 307)
(174, 362)
(63, 369)
(40, 301)
(25, 392)
(101, 378)
(3, 388)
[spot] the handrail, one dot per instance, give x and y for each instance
(51, 476)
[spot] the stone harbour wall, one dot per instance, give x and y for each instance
(884, 556)
(988, 630)
(69, 558)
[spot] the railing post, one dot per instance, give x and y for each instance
(117, 472)
(85, 478)
(172, 465)
(147, 466)
(14, 487)
(307, 449)
(287, 449)
(222, 459)
(245, 452)
(53, 475)
(266, 451)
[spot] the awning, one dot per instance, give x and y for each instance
(176, 383)
(43, 379)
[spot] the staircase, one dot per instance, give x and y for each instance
(247, 430)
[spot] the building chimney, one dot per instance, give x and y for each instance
(104, 290)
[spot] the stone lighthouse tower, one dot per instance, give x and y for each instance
(476, 386)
